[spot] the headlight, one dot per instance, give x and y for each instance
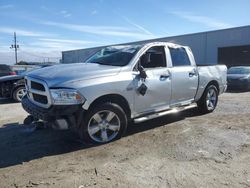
(66, 97)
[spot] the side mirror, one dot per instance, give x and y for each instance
(142, 89)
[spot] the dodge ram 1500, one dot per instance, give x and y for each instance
(120, 84)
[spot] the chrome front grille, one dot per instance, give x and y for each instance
(37, 86)
(38, 92)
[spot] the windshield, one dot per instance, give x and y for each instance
(239, 70)
(114, 55)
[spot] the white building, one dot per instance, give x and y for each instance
(227, 46)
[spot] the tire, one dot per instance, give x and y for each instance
(104, 123)
(28, 120)
(209, 99)
(18, 93)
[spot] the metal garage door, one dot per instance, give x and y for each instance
(234, 56)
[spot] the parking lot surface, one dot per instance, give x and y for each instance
(180, 150)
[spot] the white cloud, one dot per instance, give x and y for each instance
(44, 8)
(29, 55)
(53, 44)
(137, 26)
(7, 58)
(7, 6)
(45, 47)
(66, 41)
(65, 13)
(94, 12)
(101, 30)
(22, 32)
(5, 48)
(204, 20)
(41, 49)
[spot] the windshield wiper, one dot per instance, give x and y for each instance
(101, 63)
(95, 62)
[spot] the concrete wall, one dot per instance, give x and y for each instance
(204, 45)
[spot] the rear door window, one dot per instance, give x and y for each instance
(179, 57)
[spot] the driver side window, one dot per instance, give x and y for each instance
(154, 57)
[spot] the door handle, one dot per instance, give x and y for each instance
(164, 76)
(191, 74)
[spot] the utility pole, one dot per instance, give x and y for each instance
(15, 46)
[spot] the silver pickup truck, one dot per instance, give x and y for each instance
(120, 84)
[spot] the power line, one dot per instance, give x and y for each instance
(15, 46)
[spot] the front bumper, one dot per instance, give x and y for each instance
(49, 114)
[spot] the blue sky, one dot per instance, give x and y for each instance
(45, 28)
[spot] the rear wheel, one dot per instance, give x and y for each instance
(104, 123)
(18, 93)
(209, 99)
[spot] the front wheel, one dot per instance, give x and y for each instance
(209, 99)
(104, 123)
(18, 93)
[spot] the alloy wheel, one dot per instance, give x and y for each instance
(20, 93)
(211, 99)
(104, 126)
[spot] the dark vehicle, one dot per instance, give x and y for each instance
(238, 78)
(6, 70)
(13, 86)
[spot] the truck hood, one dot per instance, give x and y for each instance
(57, 75)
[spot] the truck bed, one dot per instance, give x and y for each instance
(209, 73)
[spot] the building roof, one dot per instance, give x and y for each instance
(162, 38)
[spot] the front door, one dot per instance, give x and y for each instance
(158, 82)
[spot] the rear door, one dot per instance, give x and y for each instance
(184, 77)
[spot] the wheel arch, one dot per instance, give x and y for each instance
(201, 103)
(113, 98)
(215, 83)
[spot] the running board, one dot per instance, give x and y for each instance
(163, 113)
